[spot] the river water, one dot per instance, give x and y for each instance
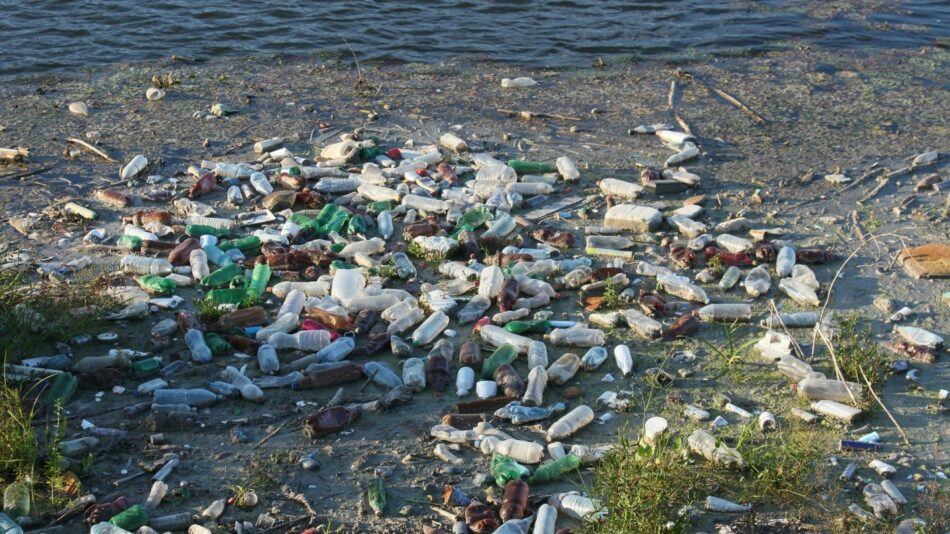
(51, 36)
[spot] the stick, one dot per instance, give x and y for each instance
(268, 436)
(857, 225)
(14, 154)
(368, 380)
(863, 177)
(90, 148)
(732, 100)
(682, 123)
(298, 498)
(671, 98)
(883, 183)
(880, 402)
(528, 115)
(774, 311)
(22, 175)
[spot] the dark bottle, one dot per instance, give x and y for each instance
(329, 420)
(728, 258)
(438, 373)
(205, 184)
(509, 294)
(181, 254)
(651, 302)
(765, 251)
(365, 320)
(684, 326)
(514, 501)
(104, 512)
(682, 256)
(342, 373)
(480, 518)
(813, 256)
(507, 378)
(470, 354)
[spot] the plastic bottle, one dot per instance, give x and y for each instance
(336, 351)
(464, 381)
(681, 287)
(215, 255)
(131, 518)
(576, 337)
(620, 188)
(726, 312)
(285, 323)
(384, 223)
(260, 183)
(624, 359)
(563, 369)
(490, 282)
(267, 358)
(537, 354)
(505, 468)
(430, 329)
(259, 278)
(307, 340)
(16, 499)
(785, 261)
(498, 336)
(473, 309)
(554, 469)
(381, 375)
(145, 265)
(730, 278)
(534, 392)
(405, 322)
(504, 354)
(545, 520)
(249, 390)
(758, 281)
(347, 284)
(221, 277)
(826, 389)
(191, 397)
(572, 422)
(413, 374)
(514, 502)
(594, 358)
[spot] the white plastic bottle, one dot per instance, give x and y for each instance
(534, 392)
(570, 423)
(145, 265)
(576, 337)
(310, 289)
(497, 336)
(267, 359)
(337, 350)
(421, 203)
(405, 322)
(464, 381)
(527, 452)
(430, 329)
(347, 283)
(567, 169)
(135, 231)
(624, 359)
(726, 312)
(370, 246)
(414, 374)
(307, 340)
(283, 324)
(198, 260)
(490, 281)
(196, 344)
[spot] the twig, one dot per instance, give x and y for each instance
(881, 185)
(671, 98)
(268, 436)
(732, 100)
(299, 498)
(857, 225)
(368, 380)
(91, 148)
(20, 176)
(860, 180)
(682, 123)
(528, 115)
(881, 403)
(774, 311)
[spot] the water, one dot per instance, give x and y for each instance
(44, 36)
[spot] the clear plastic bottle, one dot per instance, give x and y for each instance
(414, 374)
(338, 350)
(624, 359)
(261, 184)
(534, 392)
(785, 261)
(726, 312)
(216, 256)
(370, 246)
(473, 310)
(545, 520)
(501, 226)
(431, 205)
(464, 381)
(381, 375)
(799, 292)
(306, 340)
(594, 358)
(527, 452)
(267, 358)
(531, 303)
(734, 244)
(730, 278)
(145, 265)
(293, 303)
(384, 223)
(198, 260)
(537, 354)
(681, 287)
(196, 344)
(577, 277)
(191, 397)
(135, 231)
(249, 390)
(283, 324)
(228, 170)
(497, 336)
(533, 286)
(404, 267)
(570, 423)
(758, 281)
(406, 321)
(576, 337)
(563, 369)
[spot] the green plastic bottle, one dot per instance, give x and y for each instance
(337, 223)
(336, 265)
(504, 354)
(250, 242)
(375, 208)
(145, 367)
(129, 242)
(475, 217)
(376, 495)
(326, 213)
(218, 345)
(258, 283)
(368, 153)
(520, 327)
(556, 468)
(131, 519)
(357, 226)
(231, 295)
(523, 166)
(299, 218)
(60, 391)
(222, 276)
(156, 284)
(505, 469)
(198, 230)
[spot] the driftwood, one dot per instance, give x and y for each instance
(90, 148)
(14, 154)
(732, 100)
